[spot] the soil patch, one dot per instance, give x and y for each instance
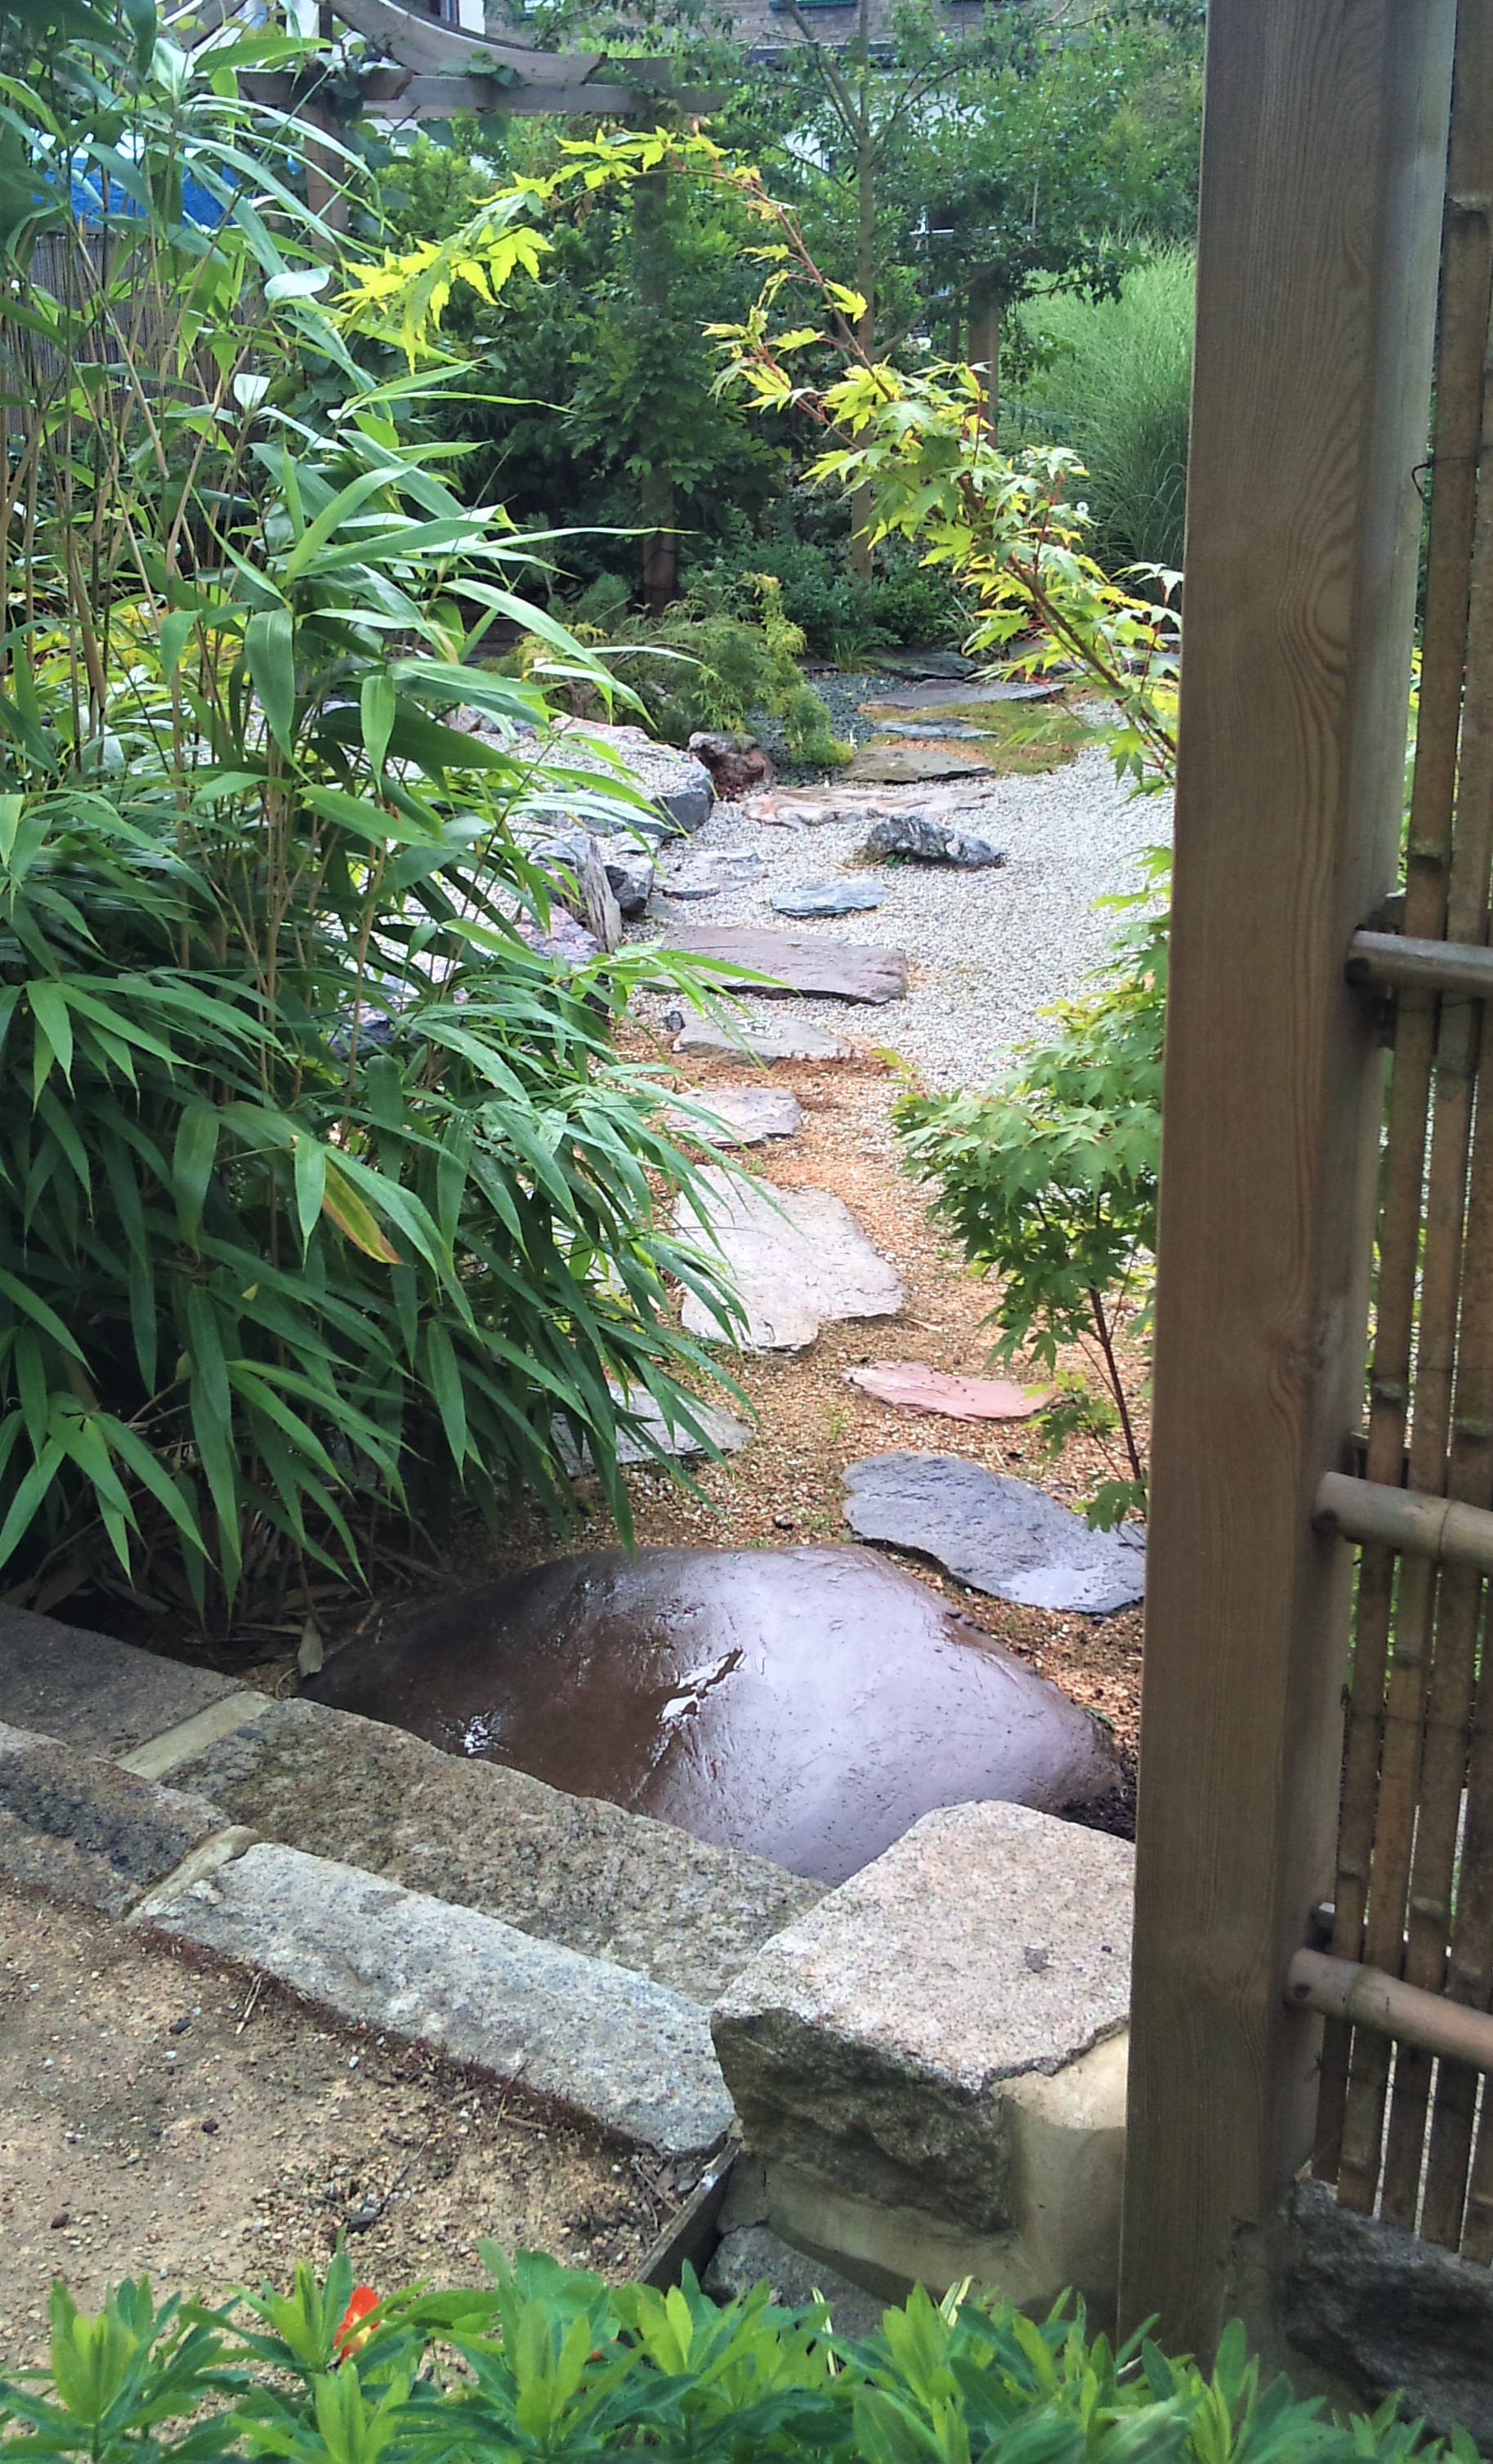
(161, 2114)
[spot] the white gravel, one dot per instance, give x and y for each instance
(988, 950)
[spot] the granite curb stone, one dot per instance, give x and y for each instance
(873, 2042)
(93, 1692)
(571, 1870)
(79, 1828)
(601, 2040)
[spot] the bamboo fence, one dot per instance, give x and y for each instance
(1405, 2131)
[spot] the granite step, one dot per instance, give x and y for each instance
(583, 1874)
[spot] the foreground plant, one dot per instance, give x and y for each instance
(324, 1196)
(551, 2362)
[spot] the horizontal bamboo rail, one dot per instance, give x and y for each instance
(1426, 966)
(1411, 1523)
(1368, 1999)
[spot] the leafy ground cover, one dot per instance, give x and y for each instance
(551, 2362)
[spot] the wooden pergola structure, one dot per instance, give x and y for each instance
(1279, 1876)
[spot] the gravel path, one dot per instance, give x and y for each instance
(988, 950)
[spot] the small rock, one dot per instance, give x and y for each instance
(829, 898)
(60, 2220)
(912, 1386)
(737, 764)
(753, 2255)
(210, 2127)
(918, 839)
(600, 915)
(739, 1117)
(1001, 1536)
(631, 871)
(656, 1438)
(566, 942)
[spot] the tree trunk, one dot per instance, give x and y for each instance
(862, 501)
(985, 344)
(651, 258)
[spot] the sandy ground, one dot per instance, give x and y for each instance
(209, 2130)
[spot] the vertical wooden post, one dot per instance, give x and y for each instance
(985, 340)
(1324, 161)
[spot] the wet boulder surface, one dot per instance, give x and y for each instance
(806, 1703)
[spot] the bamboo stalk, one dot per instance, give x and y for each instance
(1466, 290)
(1429, 966)
(1400, 2013)
(1438, 1528)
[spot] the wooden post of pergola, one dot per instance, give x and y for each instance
(1324, 165)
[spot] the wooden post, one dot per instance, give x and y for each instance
(985, 341)
(1323, 162)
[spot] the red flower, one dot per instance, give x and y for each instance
(351, 2336)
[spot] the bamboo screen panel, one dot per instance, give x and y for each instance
(1403, 2134)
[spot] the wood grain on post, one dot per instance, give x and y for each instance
(1324, 166)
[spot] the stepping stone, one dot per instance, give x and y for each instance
(1001, 1536)
(804, 1704)
(934, 696)
(795, 1258)
(939, 665)
(739, 1117)
(915, 730)
(912, 1386)
(918, 838)
(721, 1428)
(798, 1039)
(907, 765)
(799, 962)
(829, 898)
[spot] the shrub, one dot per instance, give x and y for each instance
(1116, 389)
(323, 1195)
(550, 2364)
(1049, 1177)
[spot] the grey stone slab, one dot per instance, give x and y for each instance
(794, 1257)
(909, 765)
(918, 838)
(739, 1117)
(876, 2043)
(90, 1690)
(830, 899)
(1001, 1536)
(571, 1869)
(753, 2255)
(656, 1438)
(599, 2039)
(79, 1828)
(798, 962)
(795, 1040)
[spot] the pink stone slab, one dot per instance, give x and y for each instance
(911, 1386)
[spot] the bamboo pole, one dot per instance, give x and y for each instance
(1466, 291)
(1401, 2014)
(1404, 1522)
(1429, 966)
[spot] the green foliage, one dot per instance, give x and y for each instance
(719, 659)
(1048, 1178)
(323, 1195)
(1115, 384)
(841, 617)
(550, 2364)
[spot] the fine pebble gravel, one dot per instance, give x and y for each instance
(988, 950)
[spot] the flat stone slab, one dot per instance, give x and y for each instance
(93, 1692)
(797, 1040)
(706, 872)
(907, 765)
(795, 1258)
(601, 2040)
(912, 1386)
(739, 1117)
(801, 1705)
(798, 962)
(569, 1868)
(1001, 1536)
(79, 1828)
(932, 693)
(656, 1438)
(829, 898)
(873, 2043)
